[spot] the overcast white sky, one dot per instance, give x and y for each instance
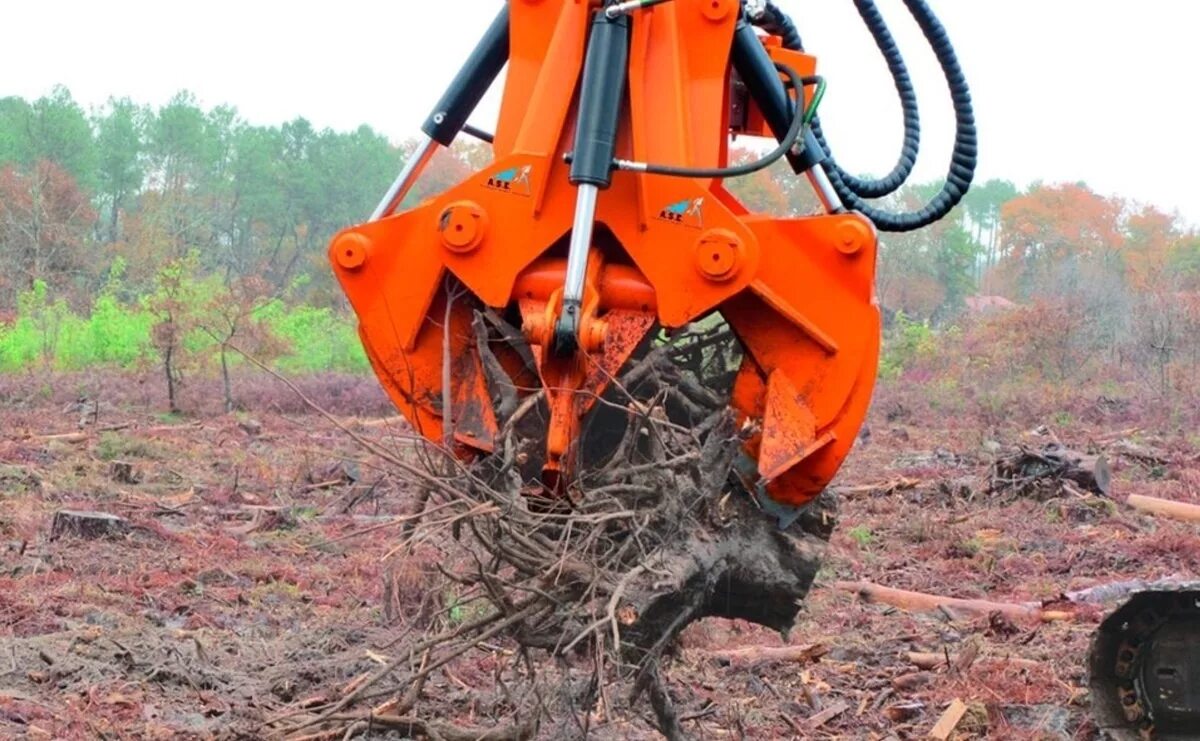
(1065, 90)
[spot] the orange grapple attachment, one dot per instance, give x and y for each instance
(666, 251)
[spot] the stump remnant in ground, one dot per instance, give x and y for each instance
(123, 472)
(87, 525)
(1043, 473)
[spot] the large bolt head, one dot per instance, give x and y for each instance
(852, 236)
(462, 226)
(350, 250)
(716, 10)
(719, 255)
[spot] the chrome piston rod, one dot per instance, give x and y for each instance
(581, 241)
(404, 181)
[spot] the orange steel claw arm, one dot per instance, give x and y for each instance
(661, 251)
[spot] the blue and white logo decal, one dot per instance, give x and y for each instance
(513, 180)
(688, 212)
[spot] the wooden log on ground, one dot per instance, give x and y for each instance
(819, 719)
(66, 437)
(368, 424)
(1165, 507)
(753, 655)
(949, 720)
(921, 602)
(926, 659)
(912, 681)
(1116, 591)
(1140, 453)
(930, 660)
(882, 487)
(87, 525)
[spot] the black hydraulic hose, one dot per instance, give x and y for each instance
(776, 22)
(965, 154)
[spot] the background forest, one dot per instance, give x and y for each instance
(161, 239)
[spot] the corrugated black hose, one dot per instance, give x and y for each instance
(775, 22)
(853, 190)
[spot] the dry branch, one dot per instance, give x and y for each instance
(902, 483)
(757, 655)
(417, 727)
(921, 602)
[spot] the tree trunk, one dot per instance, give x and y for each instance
(168, 354)
(112, 222)
(225, 381)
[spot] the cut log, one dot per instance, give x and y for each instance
(819, 719)
(912, 681)
(903, 712)
(1165, 507)
(87, 525)
(921, 602)
(1140, 453)
(66, 437)
(1028, 472)
(926, 660)
(949, 720)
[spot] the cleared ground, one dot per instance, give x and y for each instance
(252, 576)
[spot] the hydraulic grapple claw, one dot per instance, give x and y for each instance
(587, 262)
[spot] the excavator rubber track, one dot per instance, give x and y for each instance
(1145, 666)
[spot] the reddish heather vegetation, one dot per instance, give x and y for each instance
(252, 578)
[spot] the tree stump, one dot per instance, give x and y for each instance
(123, 472)
(87, 525)
(1027, 471)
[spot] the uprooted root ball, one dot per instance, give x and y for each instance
(566, 598)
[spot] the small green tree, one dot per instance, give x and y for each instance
(175, 303)
(46, 318)
(230, 318)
